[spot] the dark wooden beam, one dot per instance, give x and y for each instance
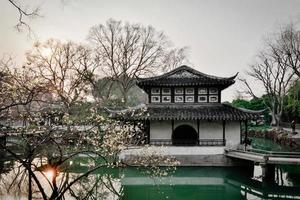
(172, 94)
(184, 94)
(246, 129)
(172, 131)
(195, 94)
(198, 130)
(148, 91)
(172, 126)
(224, 124)
(241, 133)
(207, 94)
(160, 94)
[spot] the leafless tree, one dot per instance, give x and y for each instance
(18, 87)
(127, 51)
(277, 65)
(286, 47)
(174, 58)
(274, 77)
(62, 67)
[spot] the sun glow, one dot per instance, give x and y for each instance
(49, 173)
(46, 52)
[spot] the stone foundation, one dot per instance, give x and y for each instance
(187, 156)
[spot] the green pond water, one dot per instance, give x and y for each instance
(189, 183)
(209, 183)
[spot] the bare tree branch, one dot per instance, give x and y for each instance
(126, 51)
(24, 13)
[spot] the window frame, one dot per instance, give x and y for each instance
(189, 93)
(179, 101)
(206, 92)
(163, 101)
(152, 89)
(200, 96)
(210, 90)
(213, 96)
(189, 96)
(168, 93)
(181, 93)
(154, 101)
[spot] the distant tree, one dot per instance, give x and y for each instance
(253, 104)
(126, 51)
(108, 93)
(105, 89)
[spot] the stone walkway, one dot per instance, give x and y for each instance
(171, 150)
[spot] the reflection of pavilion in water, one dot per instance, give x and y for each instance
(204, 183)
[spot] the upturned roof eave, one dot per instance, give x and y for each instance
(189, 69)
(155, 84)
(227, 113)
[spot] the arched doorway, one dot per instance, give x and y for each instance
(185, 135)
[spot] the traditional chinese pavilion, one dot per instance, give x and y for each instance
(184, 109)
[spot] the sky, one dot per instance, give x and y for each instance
(223, 36)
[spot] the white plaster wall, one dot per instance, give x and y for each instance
(211, 130)
(232, 133)
(160, 130)
(207, 129)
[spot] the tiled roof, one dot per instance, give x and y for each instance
(206, 111)
(185, 76)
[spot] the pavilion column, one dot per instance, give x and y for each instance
(224, 140)
(198, 130)
(241, 133)
(246, 130)
(268, 173)
(172, 131)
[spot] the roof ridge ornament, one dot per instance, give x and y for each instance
(183, 74)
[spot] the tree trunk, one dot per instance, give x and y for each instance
(125, 97)
(278, 120)
(273, 121)
(29, 186)
(55, 193)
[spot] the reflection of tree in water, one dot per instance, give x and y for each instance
(98, 186)
(48, 167)
(102, 184)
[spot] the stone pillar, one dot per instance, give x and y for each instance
(268, 173)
